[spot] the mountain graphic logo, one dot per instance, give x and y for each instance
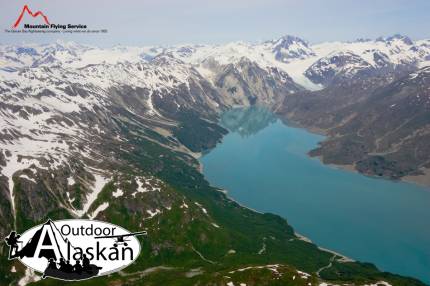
(26, 10)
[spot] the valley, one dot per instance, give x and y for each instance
(113, 134)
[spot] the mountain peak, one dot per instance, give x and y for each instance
(362, 40)
(396, 37)
(290, 47)
(288, 40)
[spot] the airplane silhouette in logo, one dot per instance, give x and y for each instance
(120, 239)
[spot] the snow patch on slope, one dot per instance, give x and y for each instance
(99, 209)
(98, 184)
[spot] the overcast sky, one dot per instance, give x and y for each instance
(168, 22)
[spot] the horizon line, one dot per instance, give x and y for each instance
(59, 40)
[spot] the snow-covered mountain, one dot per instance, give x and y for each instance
(289, 48)
(303, 62)
(54, 118)
(308, 65)
(77, 120)
(337, 65)
(366, 57)
(59, 100)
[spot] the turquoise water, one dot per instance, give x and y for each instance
(264, 165)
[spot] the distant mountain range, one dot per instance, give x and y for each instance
(113, 134)
(319, 63)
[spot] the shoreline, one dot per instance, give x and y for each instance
(419, 180)
(225, 192)
(342, 258)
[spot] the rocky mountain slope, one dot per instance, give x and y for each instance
(378, 125)
(382, 131)
(113, 134)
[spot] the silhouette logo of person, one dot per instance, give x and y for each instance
(12, 241)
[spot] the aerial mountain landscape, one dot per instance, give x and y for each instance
(115, 134)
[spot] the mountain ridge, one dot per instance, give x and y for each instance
(83, 127)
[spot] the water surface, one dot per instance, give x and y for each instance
(263, 164)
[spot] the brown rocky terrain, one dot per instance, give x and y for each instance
(379, 125)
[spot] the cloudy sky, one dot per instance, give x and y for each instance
(167, 22)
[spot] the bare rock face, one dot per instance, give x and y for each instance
(246, 83)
